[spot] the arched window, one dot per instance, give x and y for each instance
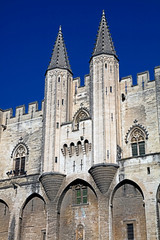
(72, 149)
(65, 147)
(19, 158)
(81, 115)
(137, 142)
(86, 145)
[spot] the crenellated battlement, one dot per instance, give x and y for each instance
(143, 82)
(21, 114)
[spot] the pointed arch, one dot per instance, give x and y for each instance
(18, 145)
(19, 155)
(30, 198)
(128, 211)
(33, 217)
(138, 127)
(73, 183)
(77, 198)
(137, 136)
(123, 182)
(80, 115)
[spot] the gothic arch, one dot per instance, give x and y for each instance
(19, 156)
(33, 217)
(126, 181)
(132, 128)
(28, 199)
(80, 115)
(74, 182)
(78, 198)
(19, 145)
(128, 211)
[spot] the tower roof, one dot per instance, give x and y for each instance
(59, 58)
(104, 43)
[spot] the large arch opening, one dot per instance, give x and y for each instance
(78, 212)
(128, 212)
(33, 221)
(4, 220)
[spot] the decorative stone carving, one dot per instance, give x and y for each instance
(136, 126)
(79, 232)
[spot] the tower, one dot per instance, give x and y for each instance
(104, 71)
(57, 102)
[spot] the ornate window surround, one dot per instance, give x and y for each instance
(20, 156)
(80, 115)
(137, 136)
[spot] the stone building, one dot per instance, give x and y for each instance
(87, 165)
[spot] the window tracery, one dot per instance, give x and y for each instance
(19, 158)
(81, 115)
(137, 142)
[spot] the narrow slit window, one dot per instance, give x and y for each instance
(130, 231)
(106, 91)
(111, 89)
(62, 101)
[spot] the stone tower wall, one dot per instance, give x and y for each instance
(139, 108)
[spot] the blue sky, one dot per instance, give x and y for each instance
(29, 29)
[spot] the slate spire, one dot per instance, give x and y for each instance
(59, 58)
(104, 43)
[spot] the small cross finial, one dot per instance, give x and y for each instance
(103, 13)
(60, 28)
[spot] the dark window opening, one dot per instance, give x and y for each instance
(59, 79)
(110, 88)
(19, 166)
(80, 195)
(106, 65)
(56, 159)
(57, 124)
(138, 149)
(138, 142)
(123, 97)
(130, 231)
(43, 234)
(62, 101)
(148, 170)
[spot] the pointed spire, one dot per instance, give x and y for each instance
(104, 43)
(59, 58)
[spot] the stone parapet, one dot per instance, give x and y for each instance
(20, 113)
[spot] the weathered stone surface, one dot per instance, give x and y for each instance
(103, 175)
(51, 182)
